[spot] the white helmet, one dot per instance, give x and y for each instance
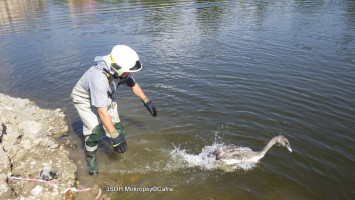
(123, 59)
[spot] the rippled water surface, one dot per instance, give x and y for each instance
(219, 72)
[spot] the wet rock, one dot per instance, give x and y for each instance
(79, 162)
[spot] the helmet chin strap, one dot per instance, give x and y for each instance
(112, 73)
(115, 76)
(109, 71)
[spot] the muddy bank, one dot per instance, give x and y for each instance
(27, 146)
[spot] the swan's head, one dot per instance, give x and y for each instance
(284, 142)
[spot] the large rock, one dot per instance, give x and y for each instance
(27, 146)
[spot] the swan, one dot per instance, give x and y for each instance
(233, 155)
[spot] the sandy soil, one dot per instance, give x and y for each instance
(28, 145)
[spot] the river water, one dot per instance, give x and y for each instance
(219, 72)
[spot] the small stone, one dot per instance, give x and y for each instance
(37, 190)
(48, 174)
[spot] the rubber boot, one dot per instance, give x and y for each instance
(91, 162)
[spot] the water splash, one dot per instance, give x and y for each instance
(207, 160)
(167, 160)
(202, 160)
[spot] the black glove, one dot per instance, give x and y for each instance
(119, 143)
(150, 106)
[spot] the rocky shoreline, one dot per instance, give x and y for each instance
(27, 146)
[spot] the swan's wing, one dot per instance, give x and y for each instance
(232, 152)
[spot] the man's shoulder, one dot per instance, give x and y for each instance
(96, 73)
(95, 76)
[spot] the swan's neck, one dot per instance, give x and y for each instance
(267, 147)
